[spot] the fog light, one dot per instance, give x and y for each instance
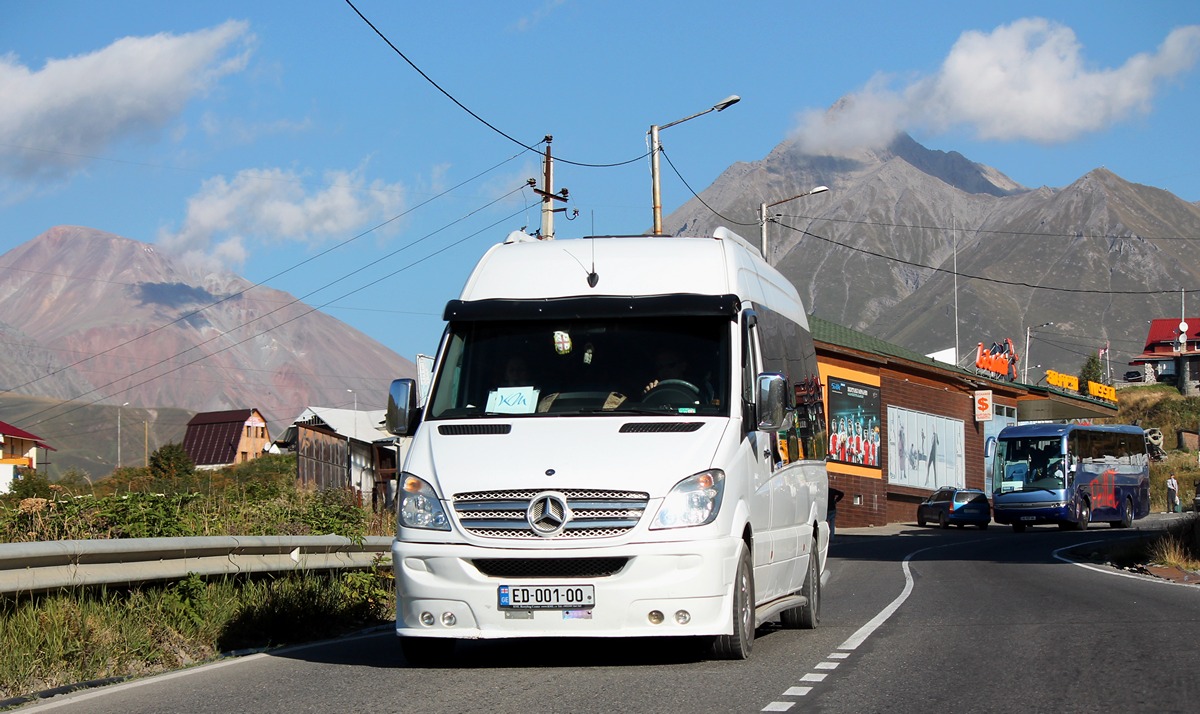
(448, 619)
(655, 617)
(683, 617)
(427, 619)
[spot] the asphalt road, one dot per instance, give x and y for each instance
(914, 619)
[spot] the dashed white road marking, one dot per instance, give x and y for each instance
(855, 640)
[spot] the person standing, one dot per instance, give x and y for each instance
(1172, 493)
(831, 510)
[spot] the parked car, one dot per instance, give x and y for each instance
(958, 506)
(1135, 375)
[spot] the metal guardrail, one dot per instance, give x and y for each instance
(39, 567)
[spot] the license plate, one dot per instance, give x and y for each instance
(547, 597)
(1029, 518)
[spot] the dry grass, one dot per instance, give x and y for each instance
(1179, 547)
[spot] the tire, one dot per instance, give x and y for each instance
(1018, 527)
(1126, 516)
(943, 520)
(422, 652)
(1085, 516)
(807, 616)
(738, 645)
(921, 521)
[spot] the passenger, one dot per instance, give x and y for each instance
(516, 373)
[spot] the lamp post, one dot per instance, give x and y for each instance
(655, 147)
(762, 216)
(1025, 357)
(119, 409)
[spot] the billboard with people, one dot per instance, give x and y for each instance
(853, 423)
(924, 450)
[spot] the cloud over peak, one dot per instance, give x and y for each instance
(53, 120)
(272, 206)
(1024, 81)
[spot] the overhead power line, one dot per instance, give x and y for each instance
(261, 282)
(998, 281)
(294, 302)
(466, 109)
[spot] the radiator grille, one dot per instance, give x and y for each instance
(594, 513)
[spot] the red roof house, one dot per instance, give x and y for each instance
(18, 448)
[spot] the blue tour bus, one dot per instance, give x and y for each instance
(1070, 475)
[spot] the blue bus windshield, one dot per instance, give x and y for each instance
(1029, 463)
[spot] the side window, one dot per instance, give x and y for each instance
(749, 357)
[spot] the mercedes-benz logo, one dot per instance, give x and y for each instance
(548, 514)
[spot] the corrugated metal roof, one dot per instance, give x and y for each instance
(213, 444)
(1166, 330)
(231, 415)
(7, 429)
(212, 438)
(840, 336)
(362, 425)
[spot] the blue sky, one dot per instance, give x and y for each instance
(252, 136)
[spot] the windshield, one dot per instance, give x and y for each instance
(1030, 463)
(659, 365)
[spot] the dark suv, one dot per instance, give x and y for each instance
(960, 506)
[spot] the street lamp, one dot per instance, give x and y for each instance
(1025, 357)
(655, 147)
(119, 432)
(762, 216)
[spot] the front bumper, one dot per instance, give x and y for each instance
(440, 582)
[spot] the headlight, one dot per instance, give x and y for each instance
(419, 505)
(693, 502)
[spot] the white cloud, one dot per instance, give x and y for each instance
(1023, 81)
(529, 22)
(54, 119)
(227, 218)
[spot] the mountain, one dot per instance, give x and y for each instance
(95, 317)
(877, 253)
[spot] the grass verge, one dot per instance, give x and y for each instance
(59, 639)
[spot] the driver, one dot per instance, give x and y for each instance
(668, 364)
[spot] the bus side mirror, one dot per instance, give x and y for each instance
(400, 417)
(771, 408)
(989, 448)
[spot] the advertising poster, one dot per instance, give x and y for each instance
(925, 451)
(853, 423)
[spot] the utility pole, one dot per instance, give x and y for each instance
(548, 195)
(763, 219)
(146, 443)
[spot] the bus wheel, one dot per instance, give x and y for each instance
(1085, 516)
(1126, 515)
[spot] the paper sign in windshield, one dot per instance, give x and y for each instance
(512, 400)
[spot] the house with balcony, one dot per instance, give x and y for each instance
(1172, 354)
(18, 449)
(218, 439)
